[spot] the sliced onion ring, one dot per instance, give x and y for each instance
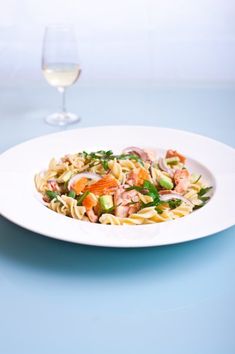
(89, 175)
(164, 167)
(139, 152)
(170, 196)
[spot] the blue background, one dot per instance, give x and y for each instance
(61, 298)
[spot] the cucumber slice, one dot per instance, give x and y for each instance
(105, 202)
(173, 160)
(164, 181)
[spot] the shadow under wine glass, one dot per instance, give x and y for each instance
(61, 68)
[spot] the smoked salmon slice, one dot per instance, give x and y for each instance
(80, 185)
(181, 178)
(90, 201)
(106, 185)
(138, 176)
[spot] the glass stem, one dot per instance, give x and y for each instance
(63, 104)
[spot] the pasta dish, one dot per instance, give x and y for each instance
(133, 188)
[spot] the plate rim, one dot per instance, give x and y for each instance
(149, 244)
(117, 126)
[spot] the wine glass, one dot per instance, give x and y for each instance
(60, 66)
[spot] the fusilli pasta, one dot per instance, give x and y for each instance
(125, 189)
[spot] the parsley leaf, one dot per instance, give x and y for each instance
(105, 156)
(72, 194)
(202, 197)
(174, 203)
(153, 192)
(203, 191)
(138, 189)
(160, 211)
(105, 165)
(130, 157)
(52, 195)
(110, 210)
(147, 189)
(82, 197)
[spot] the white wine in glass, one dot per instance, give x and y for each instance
(60, 66)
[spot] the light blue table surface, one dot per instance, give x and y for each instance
(61, 298)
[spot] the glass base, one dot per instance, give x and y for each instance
(62, 119)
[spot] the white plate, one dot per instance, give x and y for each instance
(19, 202)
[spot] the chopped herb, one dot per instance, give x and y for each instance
(204, 200)
(138, 189)
(198, 179)
(160, 211)
(203, 191)
(109, 153)
(52, 195)
(110, 210)
(132, 202)
(153, 192)
(151, 204)
(105, 156)
(91, 164)
(72, 194)
(82, 197)
(202, 197)
(129, 157)
(174, 203)
(101, 154)
(147, 189)
(198, 206)
(105, 165)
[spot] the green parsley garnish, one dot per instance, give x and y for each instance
(82, 197)
(72, 194)
(160, 211)
(105, 165)
(204, 191)
(203, 197)
(52, 195)
(104, 156)
(148, 189)
(174, 203)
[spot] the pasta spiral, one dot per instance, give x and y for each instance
(67, 206)
(145, 216)
(116, 170)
